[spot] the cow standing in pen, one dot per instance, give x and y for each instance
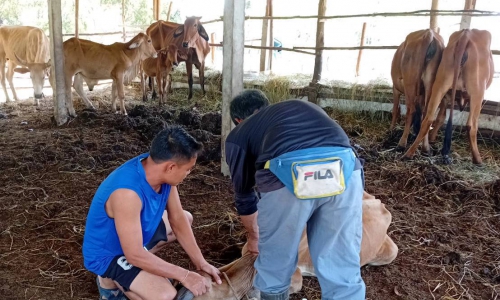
(25, 46)
(466, 67)
(160, 68)
(413, 72)
(97, 61)
(192, 41)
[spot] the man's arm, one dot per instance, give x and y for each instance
(182, 230)
(242, 168)
(125, 207)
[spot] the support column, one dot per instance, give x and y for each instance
(466, 20)
(57, 60)
(434, 18)
(232, 66)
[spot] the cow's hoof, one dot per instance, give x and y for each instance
(400, 149)
(447, 160)
(426, 153)
(406, 158)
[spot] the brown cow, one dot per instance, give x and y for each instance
(413, 72)
(160, 68)
(98, 61)
(377, 248)
(26, 46)
(192, 41)
(466, 66)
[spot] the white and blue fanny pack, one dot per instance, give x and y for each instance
(316, 172)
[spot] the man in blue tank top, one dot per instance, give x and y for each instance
(306, 173)
(127, 223)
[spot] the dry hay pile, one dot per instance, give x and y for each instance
(445, 218)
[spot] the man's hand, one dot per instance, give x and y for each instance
(213, 271)
(253, 245)
(196, 283)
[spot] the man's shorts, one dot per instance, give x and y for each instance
(124, 273)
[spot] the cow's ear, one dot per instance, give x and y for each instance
(179, 31)
(134, 45)
(21, 70)
(202, 32)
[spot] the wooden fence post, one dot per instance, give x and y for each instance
(232, 66)
(169, 11)
(212, 50)
(77, 5)
(271, 36)
(263, 42)
(469, 5)
(434, 17)
(361, 44)
(123, 21)
(318, 62)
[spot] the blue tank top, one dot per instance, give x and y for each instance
(100, 241)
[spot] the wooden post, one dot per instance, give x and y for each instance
(123, 21)
(469, 5)
(169, 10)
(361, 44)
(61, 108)
(318, 63)
(77, 4)
(263, 42)
(271, 37)
(154, 10)
(232, 66)
(212, 50)
(434, 17)
(158, 9)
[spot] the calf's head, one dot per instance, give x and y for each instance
(169, 54)
(143, 43)
(192, 29)
(37, 74)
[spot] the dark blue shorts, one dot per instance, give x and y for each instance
(124, 273)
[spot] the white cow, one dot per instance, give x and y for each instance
(28, 47)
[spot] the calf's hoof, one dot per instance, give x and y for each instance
(406, 158)
(400, 149)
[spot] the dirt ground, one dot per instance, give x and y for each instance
(445, 218)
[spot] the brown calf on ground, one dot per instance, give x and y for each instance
(97, 61)
(413, 72)
(377, 248)
(466, 67)
(160, 68)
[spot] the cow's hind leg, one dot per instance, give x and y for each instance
(2, 78)
(78, 86)
(396, 110)
(410, 111)
(189, 70)
(476, 98)
(10, 77)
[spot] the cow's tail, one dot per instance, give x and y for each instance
(460, 47)
(429, 44)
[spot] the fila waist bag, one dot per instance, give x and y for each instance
(316, 172)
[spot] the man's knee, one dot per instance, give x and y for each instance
(189, 216)
(167, 294)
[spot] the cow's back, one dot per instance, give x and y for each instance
(27, 42)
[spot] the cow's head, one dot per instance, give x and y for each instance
(192, 29)
(37, 74)
(143, 43)
(170, 54)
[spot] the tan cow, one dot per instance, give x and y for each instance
(26, 46)
(466, 67)
(97, 61)
(413, 72)
(377, 248)
(160, 68)
(192, 41)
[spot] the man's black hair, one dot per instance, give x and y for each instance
(245, 104)
(174, 143)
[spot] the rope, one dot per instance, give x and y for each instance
(232, 288)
